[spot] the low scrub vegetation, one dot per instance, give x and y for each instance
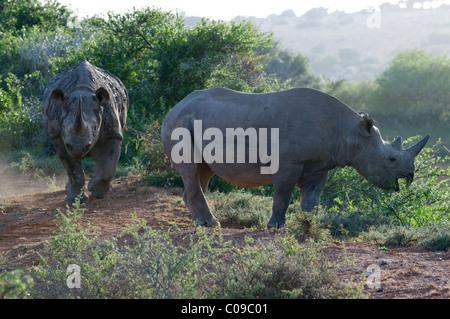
(149, 263)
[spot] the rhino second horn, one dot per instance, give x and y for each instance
(416, 148)
(79, 120)
(397, 144)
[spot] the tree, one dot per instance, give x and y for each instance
(289, 67)
(18, 14)
(161, 60)
(416, 84)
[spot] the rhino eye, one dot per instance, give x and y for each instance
(392, 159)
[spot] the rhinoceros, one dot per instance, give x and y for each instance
(84, 112)
(314, 133)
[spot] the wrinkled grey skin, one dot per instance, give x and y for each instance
(84, 112)
(317, 133)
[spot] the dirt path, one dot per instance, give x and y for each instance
(28, 208)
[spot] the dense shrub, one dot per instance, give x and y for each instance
(149, 263)
(15, 284)
(436, 238)
(20, 118)
(281, 269)
(241, 209)
(152, 163)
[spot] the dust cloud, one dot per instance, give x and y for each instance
(13, 182)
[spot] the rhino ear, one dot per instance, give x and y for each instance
(102, 96)
(365, 125)
(57, 97)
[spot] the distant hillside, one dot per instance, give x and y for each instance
(342, 45)
(358, 46)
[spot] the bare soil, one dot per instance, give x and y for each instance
(28, 208)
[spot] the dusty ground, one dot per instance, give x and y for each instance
(28, 208)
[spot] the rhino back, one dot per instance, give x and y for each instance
(309, 121)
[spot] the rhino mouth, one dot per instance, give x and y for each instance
(408, 178)
(78, 151)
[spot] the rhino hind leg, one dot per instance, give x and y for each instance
(106, 158)
(311, 187)
(195, 179)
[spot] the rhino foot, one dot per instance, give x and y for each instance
(208, 223)
(71, 198)
(276, 223)
(99, 190)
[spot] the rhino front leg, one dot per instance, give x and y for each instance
(106, 157)
(75, 174)
(283, 185)
(311, 187)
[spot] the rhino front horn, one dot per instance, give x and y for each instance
(79, 120)
(416, 148)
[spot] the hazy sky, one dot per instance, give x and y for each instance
(224, 9)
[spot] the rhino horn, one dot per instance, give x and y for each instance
(416, 148)
(397, 144)
(79, 120)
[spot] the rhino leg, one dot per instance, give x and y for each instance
(195, 179)
(311, 187)
(283, 185)
(106, 157)
(75, 173)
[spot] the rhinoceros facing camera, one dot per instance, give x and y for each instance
(84, 111)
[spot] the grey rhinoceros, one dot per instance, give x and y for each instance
(313, 133)
(84, 112)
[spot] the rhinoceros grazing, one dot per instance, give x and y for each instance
(84, 111)
(224, 132)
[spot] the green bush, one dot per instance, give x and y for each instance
(75, 244)
(14, 284)
(20, 119)
(438, 239)
(282, 268)
(152, 163)
(149, 263)
(432, 238)
(241, 209)
(306, 225)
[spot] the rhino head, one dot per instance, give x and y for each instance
(382, 163)
(81, 119)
